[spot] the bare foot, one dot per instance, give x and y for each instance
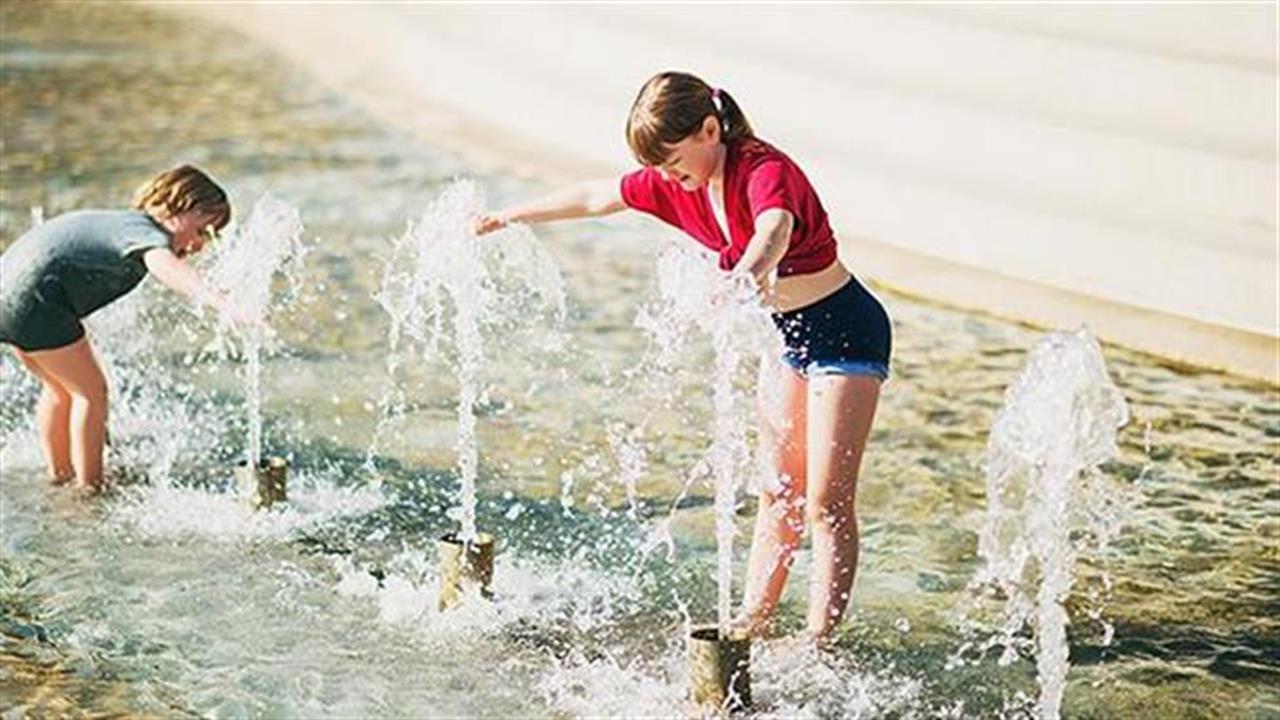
(821, 643)
(803, 646)
(755, 624)
(61, 478)
(90, 489)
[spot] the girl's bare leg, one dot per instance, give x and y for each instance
(53, 420)
(841, 410)
(75, 369)
(780, 517)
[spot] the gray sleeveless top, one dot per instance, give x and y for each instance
(92, 256)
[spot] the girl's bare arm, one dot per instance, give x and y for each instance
(177, 275)
(589, 199)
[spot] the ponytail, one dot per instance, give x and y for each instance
(733, 122)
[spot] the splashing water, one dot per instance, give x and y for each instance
(1045, 495)
(629, 449)
(535, 594)
(175, 513)
(243, 267)
(159, 419)
(789, 681)
(438, 265)
(695, 295)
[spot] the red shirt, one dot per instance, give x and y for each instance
(757, 177)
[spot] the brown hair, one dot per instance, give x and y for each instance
(184, 188)
(672, 106)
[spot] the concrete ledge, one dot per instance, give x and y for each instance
(1176, 340)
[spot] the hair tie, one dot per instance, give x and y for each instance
(715, 100)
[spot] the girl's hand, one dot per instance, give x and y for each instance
(236, 316)
(486, 223)
(742, 288)
(736, 290)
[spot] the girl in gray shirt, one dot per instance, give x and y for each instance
(60, 272)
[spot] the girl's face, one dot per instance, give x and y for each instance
(191, 231)
(692, 161)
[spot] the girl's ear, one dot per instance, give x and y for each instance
(711, 128)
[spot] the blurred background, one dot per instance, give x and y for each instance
(1114, 164)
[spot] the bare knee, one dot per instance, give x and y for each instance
(92, 393)
(55, 398)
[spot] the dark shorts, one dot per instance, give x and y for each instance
(846, 333)
(38, 317)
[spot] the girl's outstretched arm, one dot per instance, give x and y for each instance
(177, 275)
(589, 199)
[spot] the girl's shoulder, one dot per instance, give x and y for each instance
(91, 227)
(752, 152)
(99, 217)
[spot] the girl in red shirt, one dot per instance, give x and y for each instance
(705, 172)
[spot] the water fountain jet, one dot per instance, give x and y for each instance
(440, 271)
(1046, 497)
(696, 296)
(243, 267)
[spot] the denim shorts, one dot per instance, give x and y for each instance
(846, 333)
